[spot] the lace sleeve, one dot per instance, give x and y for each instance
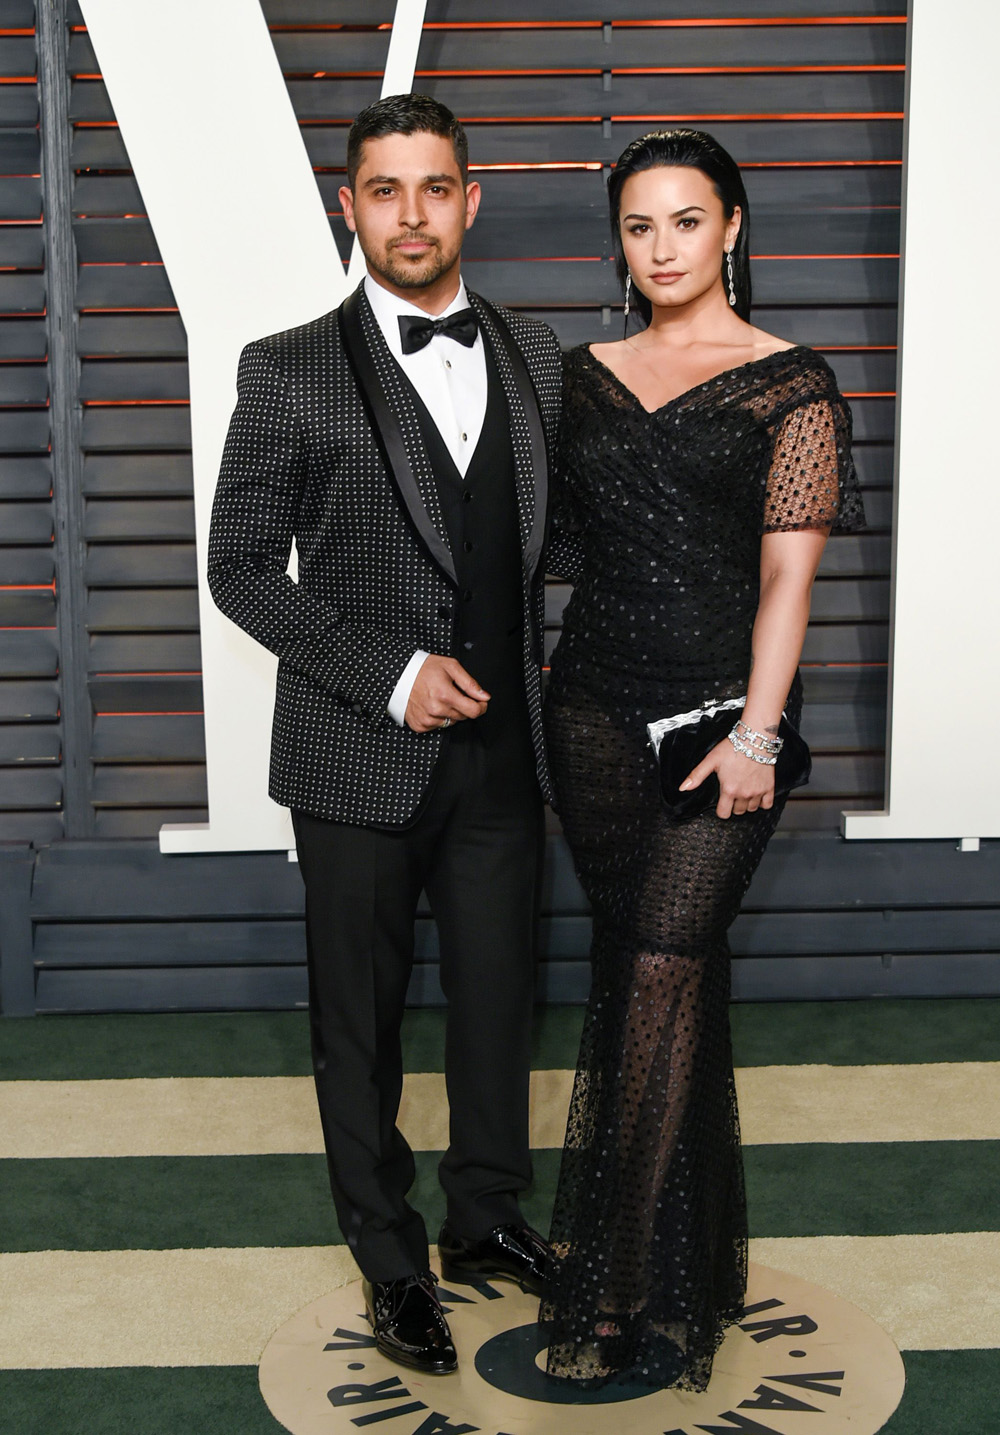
(812, 481)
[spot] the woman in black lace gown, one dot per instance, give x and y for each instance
(702, 465)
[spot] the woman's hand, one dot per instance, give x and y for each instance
(744, 785)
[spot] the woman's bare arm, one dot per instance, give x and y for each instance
(788, 564)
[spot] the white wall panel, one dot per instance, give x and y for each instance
(244, 259)
(943, 776)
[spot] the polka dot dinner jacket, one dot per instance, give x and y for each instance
(303, 460)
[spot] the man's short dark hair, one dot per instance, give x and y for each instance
(406, 115)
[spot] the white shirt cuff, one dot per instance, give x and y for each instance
(401, 692)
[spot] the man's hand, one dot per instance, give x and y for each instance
(443, 690)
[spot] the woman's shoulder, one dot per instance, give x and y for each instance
(794, 375)
(799, 359)
(583, 372)
(576, 357)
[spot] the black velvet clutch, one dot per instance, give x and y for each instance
(682, 741)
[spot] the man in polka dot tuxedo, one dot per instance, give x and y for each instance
(401, 441)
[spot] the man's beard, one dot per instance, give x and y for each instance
(413, 274)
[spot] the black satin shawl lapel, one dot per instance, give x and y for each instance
(527, 434)
(396, 424)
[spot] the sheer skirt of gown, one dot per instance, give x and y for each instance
(650, 1216)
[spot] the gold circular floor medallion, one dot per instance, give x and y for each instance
(802, 1362)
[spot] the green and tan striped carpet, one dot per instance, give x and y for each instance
(164, 1207)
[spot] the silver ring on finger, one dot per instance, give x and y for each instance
(446, 722)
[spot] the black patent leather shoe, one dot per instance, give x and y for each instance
(509, 1253)
(409, 1324)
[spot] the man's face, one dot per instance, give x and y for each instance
(410, 210)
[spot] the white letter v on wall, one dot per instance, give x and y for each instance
(217, 151)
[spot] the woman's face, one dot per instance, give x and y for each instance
(674, 233)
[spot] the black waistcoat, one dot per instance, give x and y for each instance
(481, 519)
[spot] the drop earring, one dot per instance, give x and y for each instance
(729, 275)
(628, 290)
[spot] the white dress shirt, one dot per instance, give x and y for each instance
(452, 383)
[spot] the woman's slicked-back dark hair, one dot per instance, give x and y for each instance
(405, 115)
(691, 149)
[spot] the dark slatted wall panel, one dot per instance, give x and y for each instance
(30, 742)
(808, 100)
(142, 604)
(808, 95)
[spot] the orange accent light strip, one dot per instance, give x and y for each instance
(761, 24)
(546, 259)
(719, 24)
(820, 163)
(741, 70)
(509, 25)
(654, 118)
(594, 70)
(774, 115)
(824, 256)
(555, 164)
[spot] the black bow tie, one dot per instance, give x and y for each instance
(416, 334)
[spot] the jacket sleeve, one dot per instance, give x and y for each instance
(564, 557)
(253, 521)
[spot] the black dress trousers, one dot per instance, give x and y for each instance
(475, 848)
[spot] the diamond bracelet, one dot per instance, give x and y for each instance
(760, 740)
(750, 752)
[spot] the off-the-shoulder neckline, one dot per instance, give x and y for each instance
(706, 383)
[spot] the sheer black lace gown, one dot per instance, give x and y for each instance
(661, 516)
